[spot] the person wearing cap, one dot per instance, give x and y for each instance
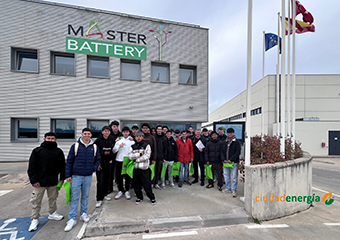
(116, 135)
(214, 156)
(122, 148)
(83, 159)
(105, 143)
(140, 152)
(46, 168)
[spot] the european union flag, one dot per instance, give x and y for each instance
(271, 40)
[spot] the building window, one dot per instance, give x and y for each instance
(64, 128)
(25, 60)
(130, 69)
(256, 111)
(24, 129)
(187, 74)
(96, 126)
(98, 66)
(160, 72)
(62, 63)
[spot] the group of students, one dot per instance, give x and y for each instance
(113, 149)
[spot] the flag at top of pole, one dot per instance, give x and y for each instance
(271, 40)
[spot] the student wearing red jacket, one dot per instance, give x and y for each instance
(185, 156)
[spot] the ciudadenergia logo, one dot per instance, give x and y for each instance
(328, 198)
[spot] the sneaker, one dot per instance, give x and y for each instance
(153, 201)
(34, 225)
(202, 183)
(157, 186)
(107, 198)
(163, 185)
(119, 195)
(55, 216)
(187, 182)
(220, 189)
(70, 224)
(127, 195)
(172, 185)
(99, 204)
(210, 186)
(138, 201)
(180, 184)
(234, 194)
(84, 218)
(195, 181)
(226, 191)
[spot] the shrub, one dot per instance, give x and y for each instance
(268, 151)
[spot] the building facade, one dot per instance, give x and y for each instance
(67, 67)
(317, 111)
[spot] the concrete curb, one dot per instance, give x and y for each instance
(96, 228)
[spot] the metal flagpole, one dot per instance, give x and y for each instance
(248, 103)
(283, 79)
(293, 78)
(262, 108)
(288, 75)
(278, 77)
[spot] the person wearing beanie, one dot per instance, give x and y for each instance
(122, 148)
(140, 152)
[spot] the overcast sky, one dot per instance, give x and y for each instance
(317, 52)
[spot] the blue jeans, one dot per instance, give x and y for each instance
(80, 184)
(234, 175)
(186, 171)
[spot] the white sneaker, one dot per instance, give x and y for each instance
(84, 217)
(70, 224)
(127, 195)
(34, 225)
(119, 195)
(226, 191)
(157, 186)
(163, 185)
(98, 204)
(55, 216)
(107, 198)
(172, 185)
(234, 194)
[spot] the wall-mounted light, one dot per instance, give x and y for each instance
(191, 107)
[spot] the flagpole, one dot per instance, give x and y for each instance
(278, 78)
(293, 76)
(283, 79)
(262, 108)
(288, 76)
(248, 103)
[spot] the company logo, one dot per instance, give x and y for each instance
(161, 32)
(94, 24)
(328, 198)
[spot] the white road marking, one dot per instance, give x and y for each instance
(332, 224)
(3, 192)
(324, 191)
(81, 231)
(173, 234)
(267, 226)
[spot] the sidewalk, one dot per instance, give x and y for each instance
(177, 208)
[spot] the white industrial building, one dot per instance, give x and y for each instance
(317, 111)
(65, 67)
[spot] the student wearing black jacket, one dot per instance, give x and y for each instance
(161, 154)
(105, 143)
(171, 157)
(45, 169)
(214, 156)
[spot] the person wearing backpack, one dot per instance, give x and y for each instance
(83, 159)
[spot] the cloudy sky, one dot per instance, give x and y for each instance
(317, 52)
